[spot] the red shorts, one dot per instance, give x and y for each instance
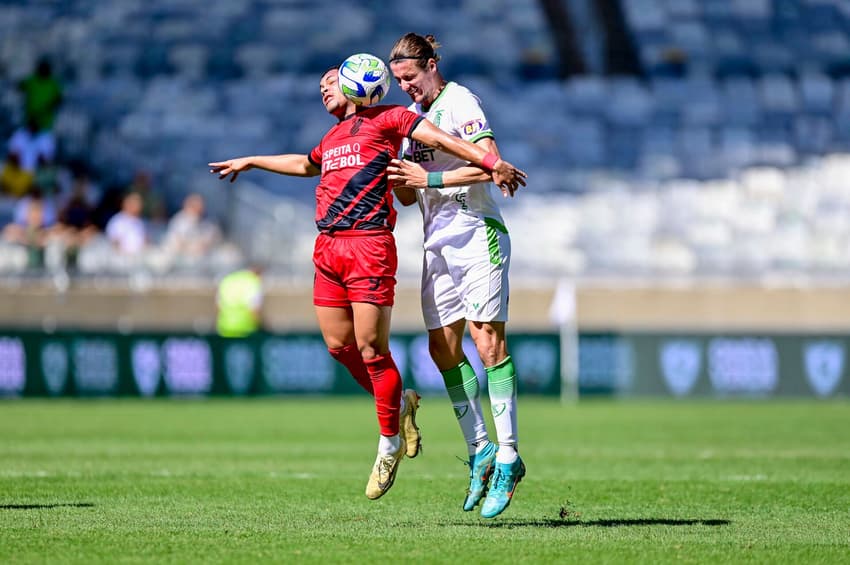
(355, 266)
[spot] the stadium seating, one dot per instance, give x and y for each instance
(694, 174)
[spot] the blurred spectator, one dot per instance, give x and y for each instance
(126, 230)
(32, 234)
(153, 206)
(239, 301)
(37, 198)
(189, 234)
(77, 213)
(80, 184)
(28, 149)
(42, 96)
(109, 204)
(76, 223)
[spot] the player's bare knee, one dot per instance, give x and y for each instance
(368, 352)
(489, 355)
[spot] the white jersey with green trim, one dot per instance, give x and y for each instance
(449, 211)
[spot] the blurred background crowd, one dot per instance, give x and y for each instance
(696, 139)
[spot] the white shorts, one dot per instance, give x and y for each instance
(467, 277)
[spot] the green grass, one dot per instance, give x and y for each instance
(282, 480)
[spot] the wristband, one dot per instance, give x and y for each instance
(489, 161)
(435, 180)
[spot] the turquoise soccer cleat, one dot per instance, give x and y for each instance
(480, 468)
(505, 479)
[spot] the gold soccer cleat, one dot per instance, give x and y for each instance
(409, 429)
(383, 473)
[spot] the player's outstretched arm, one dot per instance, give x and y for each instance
(290, 164)
(407, 174)
(505, 175)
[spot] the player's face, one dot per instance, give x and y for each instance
(335, 103)
(422, 85)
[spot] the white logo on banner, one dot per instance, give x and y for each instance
(743, 365)
(95, 365)
(824, 361)
(536, 363)
(300, 364)
(13, 365)
(54, 366)
(606, 362)
(238, 366)
(188, 365)
(425, 373)
(680, 364)
(146, 366)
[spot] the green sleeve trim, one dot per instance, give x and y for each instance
(482, 135)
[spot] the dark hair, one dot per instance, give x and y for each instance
(43, 67)
(417, 47)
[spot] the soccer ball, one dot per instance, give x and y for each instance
(364, 79)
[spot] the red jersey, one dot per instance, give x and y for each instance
(353, 192)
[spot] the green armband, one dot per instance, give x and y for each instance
(435, 180)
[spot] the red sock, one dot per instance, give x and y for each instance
(351, 359)
(386, 381)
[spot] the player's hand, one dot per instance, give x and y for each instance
(406, 174)
(508, 178)
(230, 167)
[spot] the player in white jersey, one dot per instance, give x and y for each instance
(465, 268)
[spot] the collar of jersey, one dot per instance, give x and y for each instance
(440, 95)
(356, 111)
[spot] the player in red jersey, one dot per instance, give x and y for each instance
(355, 255)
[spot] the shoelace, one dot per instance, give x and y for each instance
(469, 463)
(385, 466)
(501, 480)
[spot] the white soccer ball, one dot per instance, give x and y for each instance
(364, 79)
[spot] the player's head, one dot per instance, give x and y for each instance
(413, 62)
(332, 97)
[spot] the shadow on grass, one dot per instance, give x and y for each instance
(46, 506)
(612, 523)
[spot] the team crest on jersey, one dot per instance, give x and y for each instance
(472, 127)
(355, 127)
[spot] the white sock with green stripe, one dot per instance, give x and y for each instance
(464, 393)
(501, 379)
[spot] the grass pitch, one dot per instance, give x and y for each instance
(282, 480)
